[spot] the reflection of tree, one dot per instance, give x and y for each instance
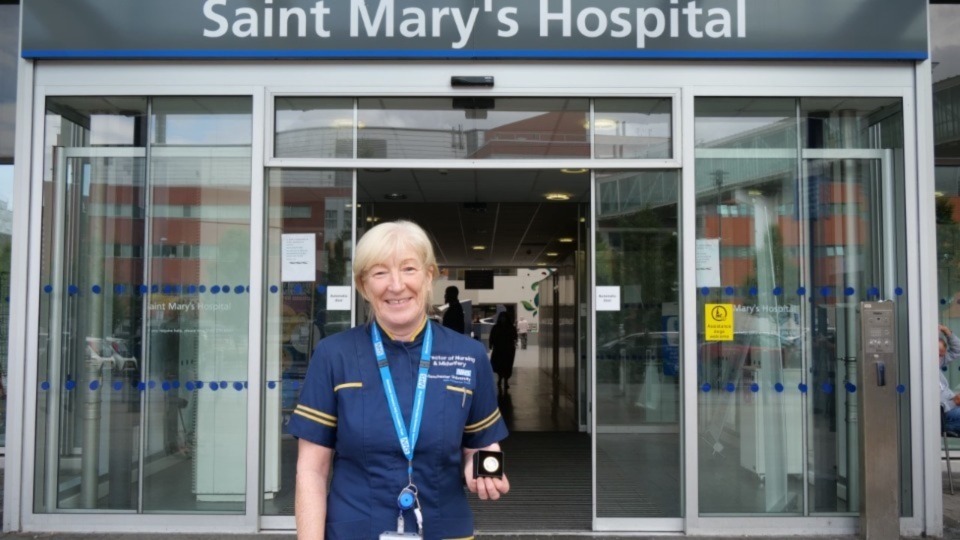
(639, 252)
(948, 247)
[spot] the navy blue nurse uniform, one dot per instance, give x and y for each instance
(343, 406)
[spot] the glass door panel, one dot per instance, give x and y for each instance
(313, 207)
(638, 380)
(144, 310)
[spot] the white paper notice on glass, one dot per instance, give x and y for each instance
(298, 257)
(708, 262)
(608, 298)
(338, 298)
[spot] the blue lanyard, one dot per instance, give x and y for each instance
(407, 443)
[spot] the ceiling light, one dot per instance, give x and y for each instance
(573, 171)
(601, 123)
(479, 247)
(754, 192)
(345, 123)
(938, 194)
(394, 196)
(372, 219)
(565, 240)
(541, 264)
(552, 254)
(557, 196)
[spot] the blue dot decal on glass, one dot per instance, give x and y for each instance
(801, 291)
(45, 385)
(728, 290)
(247, 288)
(778, 387)
(827, 387)
(225, 288)
(777, 291)
(824, 291)
(297, 289)
(175, 384)
(295, 385)
(198, 384)
(118, 385)
(165, 386)
(238, 386)
(48, 289)
(898, 291)
(152, 384)
(851, 388)
(155, 288)
(849, 291)
(167, 289)
(143, 289)
(704, 290)
(321, 289)
(94, 385)
(754, 388)
(96, 289)
(245, 384)
(119, 289)
(214, 386)
(202, 288)
(731, 387)
(70, 385)
(223, 384)
(705, 387)
(191, 289)
(72, 290)
(141, 386)
(189, 386)
(874, 291)
(753, 291)
(901, 388)
(271, 384)
(215, 289)
(274, 289)
(802, 387)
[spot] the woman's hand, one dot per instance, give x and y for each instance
(484, 487)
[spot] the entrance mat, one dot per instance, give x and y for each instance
(549, 485)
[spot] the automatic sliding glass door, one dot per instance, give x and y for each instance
(638, 377)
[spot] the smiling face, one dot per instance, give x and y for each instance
(397, 291)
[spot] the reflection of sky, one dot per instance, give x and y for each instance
(209, 129)
(945, 41)
(6, 183)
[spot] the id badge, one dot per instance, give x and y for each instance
(394, 535)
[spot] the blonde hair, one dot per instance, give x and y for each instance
(387, 240)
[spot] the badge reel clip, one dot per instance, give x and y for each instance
(406, 501)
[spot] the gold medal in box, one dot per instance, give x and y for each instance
(487, 463)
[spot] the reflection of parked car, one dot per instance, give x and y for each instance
(663, 347)
(746, 350)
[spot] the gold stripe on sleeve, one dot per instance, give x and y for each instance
(316, 416)
(483, 424)
(463, 538)
(339, 387)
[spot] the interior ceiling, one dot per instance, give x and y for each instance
(506, 211)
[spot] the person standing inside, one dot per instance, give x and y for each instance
(949, 400)
(523, 327)
(453, 316)
(395, 409)
(503, 342)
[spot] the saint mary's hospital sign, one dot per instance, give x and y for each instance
(465, 29)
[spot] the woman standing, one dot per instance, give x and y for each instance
(395, 409)
(503, 342)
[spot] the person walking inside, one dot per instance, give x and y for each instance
(503, 342)
(395, 409)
